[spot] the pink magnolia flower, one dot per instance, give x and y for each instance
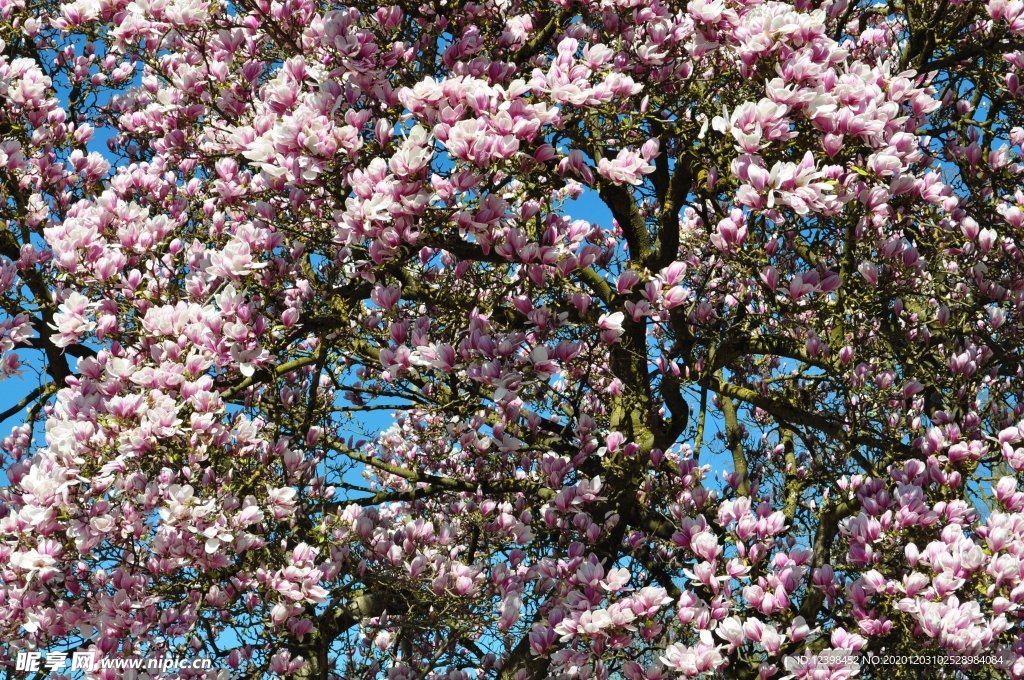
(628, 167)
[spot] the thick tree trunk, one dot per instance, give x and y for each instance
(523, 665)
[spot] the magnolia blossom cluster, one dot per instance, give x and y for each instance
(507, 339)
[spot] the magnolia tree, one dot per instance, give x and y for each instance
(322, 362)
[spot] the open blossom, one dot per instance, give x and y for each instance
(611, 326)
(628, 167)
(692, 662)
(72, 320)
(38, 563)
(414, 154)
(706, 11)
